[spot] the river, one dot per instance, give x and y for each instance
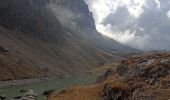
(40, 87)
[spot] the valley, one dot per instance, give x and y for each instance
(52, 50)
(39, 44)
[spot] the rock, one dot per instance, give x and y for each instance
(151, 68)
(2, 97)
(165, 61)
(142, 95)
(121, 69)
(149, 62)
(17, 97)
(116, 92)
(105, 76)
(46, 93)
(3, 50)
(151, 81)
(29, 95)
(23, 90)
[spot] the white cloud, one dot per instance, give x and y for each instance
(168, 14)
(66, 16)
(143, 24)
(158, 4)
(102, 8)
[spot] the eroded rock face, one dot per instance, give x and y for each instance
(149, 67)
(105, 76)
(146, 75)
(121, 92)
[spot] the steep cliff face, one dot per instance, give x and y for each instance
(29, 16)
(76, 12)
(58, 36)
(43, 18)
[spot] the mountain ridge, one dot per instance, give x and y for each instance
(32, 30)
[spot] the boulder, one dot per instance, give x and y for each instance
(46, 93)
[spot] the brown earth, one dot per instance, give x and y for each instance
(14, 67)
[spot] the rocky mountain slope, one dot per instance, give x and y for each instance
(143, 76)
(52, 37)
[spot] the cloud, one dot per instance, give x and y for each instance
(168, 14)
(65, 15)
(142, 24)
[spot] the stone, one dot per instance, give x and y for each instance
(46, 93)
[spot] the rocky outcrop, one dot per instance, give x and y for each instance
(46, 93)
(144, 75)
(116, 92)
(147, 66)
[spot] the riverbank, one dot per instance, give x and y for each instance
(13, 88)
(96, 71)
(25, 81)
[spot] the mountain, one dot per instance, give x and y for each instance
(51, 37)
(143, 76)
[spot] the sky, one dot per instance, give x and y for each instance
(141, 24)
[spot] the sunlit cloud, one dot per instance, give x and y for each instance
(158, 4)
(135, 8)
(168, 14)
